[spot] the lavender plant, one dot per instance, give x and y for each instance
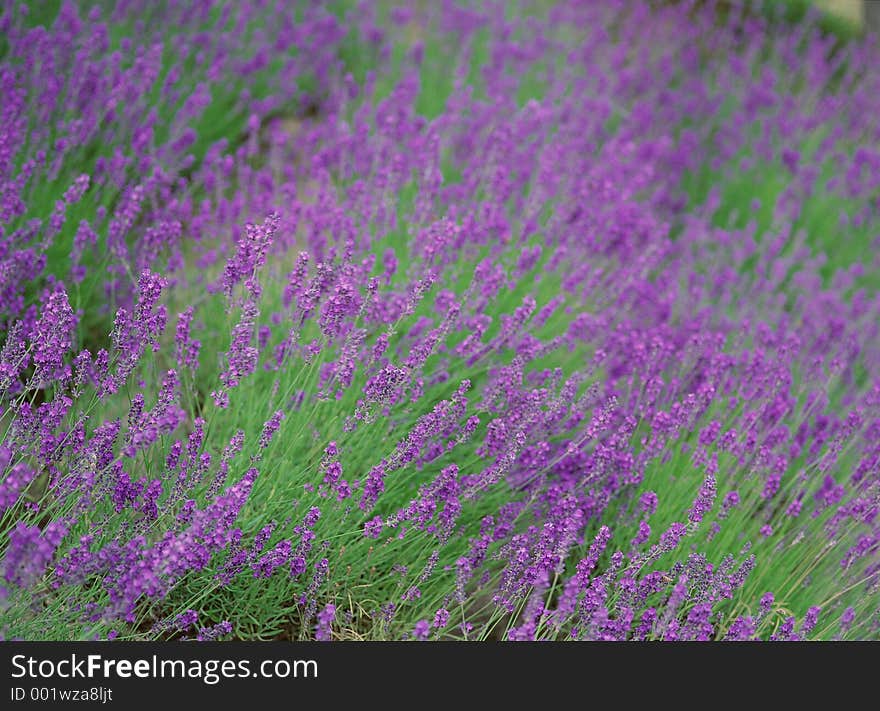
(547, 321)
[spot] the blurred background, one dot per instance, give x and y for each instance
(861, 13)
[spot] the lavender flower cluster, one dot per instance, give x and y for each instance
(454, 323)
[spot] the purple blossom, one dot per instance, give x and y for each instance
(30, 551)
(648, 502)
(270, 428)
(186, 619)
(325, 620)
(52, 337)
(704, 501)
(373, 527)
(672, 536)
(187, 348)
(215, 632)
(422, 630)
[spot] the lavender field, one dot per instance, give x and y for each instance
(438, 320)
